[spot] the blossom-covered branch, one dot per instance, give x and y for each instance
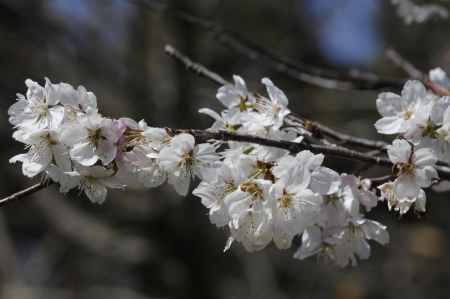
(262, 176)
(315, 128)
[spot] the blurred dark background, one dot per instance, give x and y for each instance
(154, 244)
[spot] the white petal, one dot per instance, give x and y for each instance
(73, 134)
(185, 142)
(413, 90)
(425, 176)
(399, 151)
(420, 203)
(406, 186)
(106, 151)
(211, 113)
(325, 181)
(84, 153)
(180, 183)
(61, 156)
(424, 156)
(389, 104)
(55, 117)
(390, 125)
(376, 231)
(275, 94)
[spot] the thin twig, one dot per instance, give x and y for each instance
(415, 73)
(202, 136)
(23, 193)
(378, 146)
(405, 65)
(317, 129)
(313, 75)
(380, 180)
(197, 68)
(346, 139)
(294, 147)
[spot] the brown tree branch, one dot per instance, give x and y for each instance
(202, 136)
(405, 65)
(317, 129)
(23, 193)
(313, 75)
(415, 73)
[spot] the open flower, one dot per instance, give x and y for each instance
(45, 148)
(352, 241)
(93, 138)
(278, 103)
(402, 204)
(407, 113)
(213, 190)
(294, 208)
(236, 97)
(250, 215)
(413, 168)
(140, 167)
(182, 160)
(94, 181)
(39, 109)
(357, 193)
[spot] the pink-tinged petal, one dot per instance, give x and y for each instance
(184, 142)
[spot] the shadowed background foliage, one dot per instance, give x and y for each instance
(154, 244)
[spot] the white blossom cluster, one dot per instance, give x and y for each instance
(264, 194)
(411, 12)
(421, 120)
(259, 194)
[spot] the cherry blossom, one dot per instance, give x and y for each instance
(255, 193)
(407, 113)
